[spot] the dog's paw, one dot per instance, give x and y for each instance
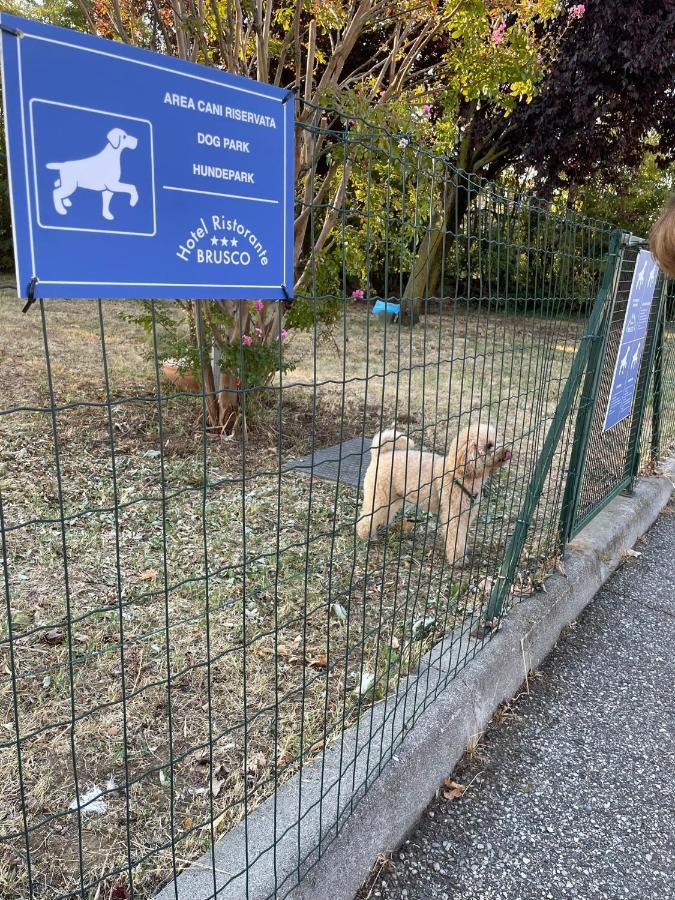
(108, 215)
(460, 562)
(133, 199)
(67, 202)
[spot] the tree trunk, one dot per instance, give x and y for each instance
(207, 372)
(419, 282)
(228, 402)
(425, 278)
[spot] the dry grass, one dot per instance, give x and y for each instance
(301, 625)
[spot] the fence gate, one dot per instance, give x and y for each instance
(604, 461)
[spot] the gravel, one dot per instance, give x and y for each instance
(571, 792)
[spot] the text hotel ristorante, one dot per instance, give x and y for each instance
(139, 175)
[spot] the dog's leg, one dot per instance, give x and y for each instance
(121, 188)
(455, 539)
(60, 196)
(369, 521)
(379, 507)
(107, 197)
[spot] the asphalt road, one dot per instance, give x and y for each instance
(571, 792)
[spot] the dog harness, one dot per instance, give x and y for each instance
(460, 485)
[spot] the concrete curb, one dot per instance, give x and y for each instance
(401, 779)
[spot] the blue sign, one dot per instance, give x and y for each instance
(631, 346)
(139, 175)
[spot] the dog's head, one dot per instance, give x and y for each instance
(478, 453)
(120, 139)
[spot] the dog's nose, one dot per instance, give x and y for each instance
(133, 142)
(508, 455)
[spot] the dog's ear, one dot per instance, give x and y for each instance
(471, 454)
(115, 136)
(467, 453)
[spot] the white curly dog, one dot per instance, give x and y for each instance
(449, 486)
(101, 173)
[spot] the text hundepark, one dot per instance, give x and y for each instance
(219, 109)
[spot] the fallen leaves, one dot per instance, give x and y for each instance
(54, 636)
(320, 661)
(218, 780)
(315, 659)
(148, 575)
(257, 763)
(629, 553)
(284, 759)
(453, 790)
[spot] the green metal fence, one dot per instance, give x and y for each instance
(190, 618)
(606, 462)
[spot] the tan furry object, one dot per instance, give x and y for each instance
(448, 486)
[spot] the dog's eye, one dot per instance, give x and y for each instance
(489, 445)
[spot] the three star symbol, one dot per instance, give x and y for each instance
(225, 242)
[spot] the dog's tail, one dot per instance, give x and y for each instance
(390, 440)
(53, 165)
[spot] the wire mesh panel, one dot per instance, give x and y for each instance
(611, 454)
(193, 612)
(658, 433)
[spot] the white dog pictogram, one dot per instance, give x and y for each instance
(96, 173)
(635, 357)
(641, 276)
(624, 362)
(652, 277)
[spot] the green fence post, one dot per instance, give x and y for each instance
(589, 394)
(591, 335)
(657, 389)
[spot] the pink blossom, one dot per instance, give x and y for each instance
(259, 332)
(577, 11)
(284, 334)
(259, 305)
(426, 110)
(247, 340)
(498, 34)
(358, 294)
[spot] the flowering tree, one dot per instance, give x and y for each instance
(496, 60)
(596, 95)
(324, 51)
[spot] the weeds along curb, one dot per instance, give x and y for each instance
(370, 788)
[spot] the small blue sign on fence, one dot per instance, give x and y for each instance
(134, 174)
(631, 346)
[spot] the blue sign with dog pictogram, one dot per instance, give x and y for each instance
(134, 174)
(632, 343)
